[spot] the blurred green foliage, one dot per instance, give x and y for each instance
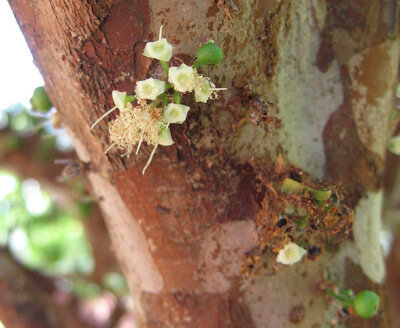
(37, 232)
(23, 122)
(84, 289)
(115, 283)
(40, 235)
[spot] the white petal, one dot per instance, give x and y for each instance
(182, 78)
(165, 138)
(175, 113)
(119, 99)
(149, 89)
(161, 50)
(203, 89)
(290, 254)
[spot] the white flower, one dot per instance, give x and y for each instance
(290, 254)
(394, 145)
(182, 78)
(164, 138)
(160, 49)
(149, 89)
(119, 99)
(175, 113)
(203, 89)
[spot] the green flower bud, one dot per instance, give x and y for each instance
(366, 304)
(40, 100)
(208, 54)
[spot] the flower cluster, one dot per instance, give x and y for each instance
(146, 116)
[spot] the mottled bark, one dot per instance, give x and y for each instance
(182, 230)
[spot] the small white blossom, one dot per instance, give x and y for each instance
(119, 99)
(160, 49)
(182, 78)
(175, 113)
(149, 89)
(164, 138)
(203, 89)
(290, 254)
(394, 145)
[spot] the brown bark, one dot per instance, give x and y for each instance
(181, 231)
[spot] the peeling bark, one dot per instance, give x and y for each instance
(182, 231)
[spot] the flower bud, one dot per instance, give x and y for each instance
(208, 54)
(40, 101)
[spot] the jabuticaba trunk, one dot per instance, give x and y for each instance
(323, 71)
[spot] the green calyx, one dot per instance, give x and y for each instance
(40, 101)
(344, 296)
(292, 186)
(208, 54)
(129, 98)
(320, 195)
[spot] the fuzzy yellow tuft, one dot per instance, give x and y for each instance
(135, 125)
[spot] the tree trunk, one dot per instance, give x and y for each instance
(182, 231)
